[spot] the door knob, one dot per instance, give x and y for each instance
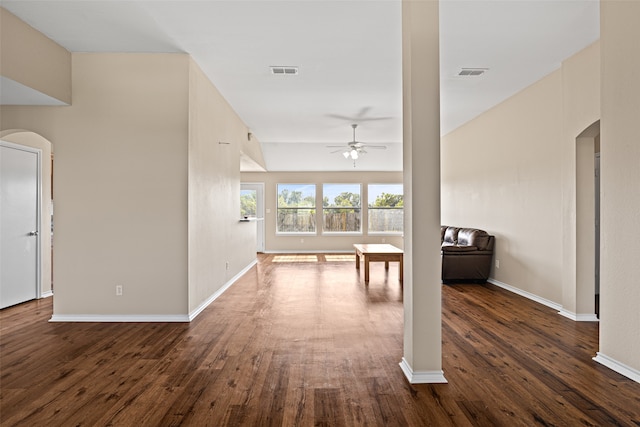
(33, 233)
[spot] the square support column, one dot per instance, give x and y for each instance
(422, 360)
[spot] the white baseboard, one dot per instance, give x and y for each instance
(620, 368)
(582, 317)
(46, 294)
(220, 291)
(159, 318)
(129, 318)
(526, 294)
(426, 377)
(578, 317)
(337, 251)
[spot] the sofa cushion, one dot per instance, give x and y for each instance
(473, 237)
(458, 249)
(451, 236)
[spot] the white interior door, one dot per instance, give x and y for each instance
(257, 192)
(19, 219)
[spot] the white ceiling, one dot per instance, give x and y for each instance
(349, 58)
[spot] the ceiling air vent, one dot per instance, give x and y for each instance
(282, 70)
(472, 72)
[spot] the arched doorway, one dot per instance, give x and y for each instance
(32, 142)
(587, 223)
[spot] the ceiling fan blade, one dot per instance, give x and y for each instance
(376, 147)
(341, 117)
(357, 119)
(373, 119)
(337, 151)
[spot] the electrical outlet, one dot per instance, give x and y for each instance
(497, 263)
(301, 240)
(119, 290)
(226, 265)
(384, 240)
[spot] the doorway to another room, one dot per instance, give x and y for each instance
(252, 207)
(20, 198)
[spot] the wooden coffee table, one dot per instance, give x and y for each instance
(377, 252)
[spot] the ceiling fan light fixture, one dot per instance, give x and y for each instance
(354, 154)
(346, 154)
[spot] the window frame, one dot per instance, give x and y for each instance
(369, 209)
(313, 208)
(360, 210)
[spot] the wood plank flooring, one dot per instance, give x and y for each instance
(301, 341)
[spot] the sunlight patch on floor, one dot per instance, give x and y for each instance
(295, 258)
(338, 258)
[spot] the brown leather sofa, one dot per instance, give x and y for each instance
(467, 254)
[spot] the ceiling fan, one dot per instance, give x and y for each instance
(355, 149)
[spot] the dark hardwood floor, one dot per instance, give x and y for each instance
(298, 342)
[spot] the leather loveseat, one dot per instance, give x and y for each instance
(467, 254)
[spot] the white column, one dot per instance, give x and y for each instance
(422, 361)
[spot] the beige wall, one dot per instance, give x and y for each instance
(580, 120)
(34, 140)
(501, 173)
(513, 171)
(620, 160)
(120, 184)
(33, 60)
(216, 237)
(293, 243)
(146, 197)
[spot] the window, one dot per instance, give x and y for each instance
(248, 203)
(386, 208)
(296, 208)
(341, 207)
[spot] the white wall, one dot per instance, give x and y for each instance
(318, 242)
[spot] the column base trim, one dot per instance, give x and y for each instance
(425, 377)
